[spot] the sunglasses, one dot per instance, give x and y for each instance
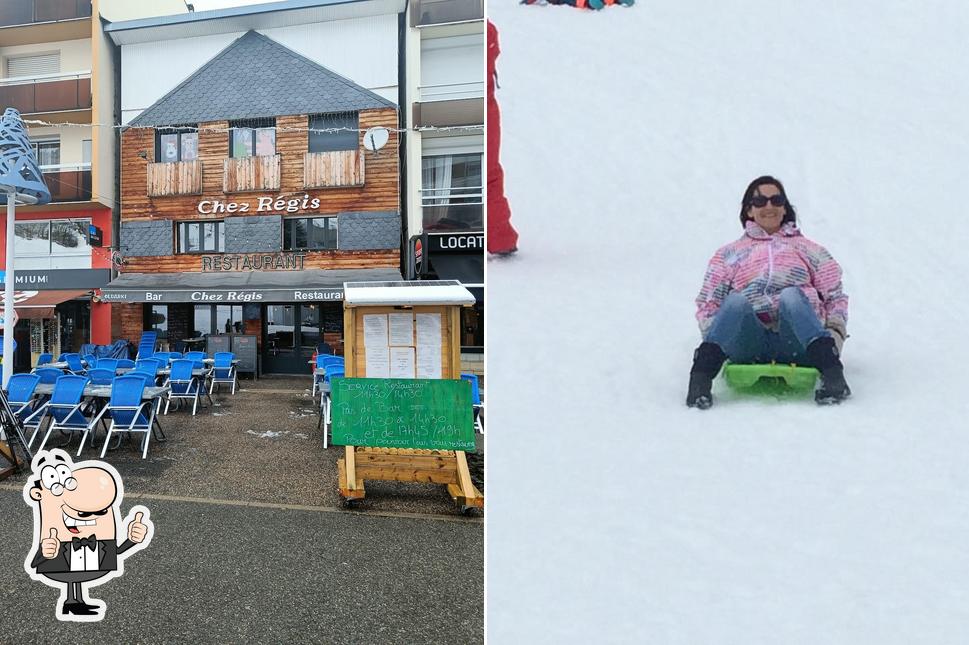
(760, 201)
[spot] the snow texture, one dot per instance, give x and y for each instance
(616, 514)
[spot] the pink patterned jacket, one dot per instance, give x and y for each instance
(759, 266)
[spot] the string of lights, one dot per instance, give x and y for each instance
(188, 128)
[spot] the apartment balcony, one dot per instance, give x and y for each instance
(68, 182)
(448, 104)
(23, 22)
(245, 174)
(175, 178)
(336, 169)
(47, 93)
(453, 209)
(426, 13)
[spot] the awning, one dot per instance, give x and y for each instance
(40, 304)
(468, 268)
(239, 287)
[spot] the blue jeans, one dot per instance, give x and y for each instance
(745, 339)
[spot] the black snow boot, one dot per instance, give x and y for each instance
(707, 361)
(823, 354)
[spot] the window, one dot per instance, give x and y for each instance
(47, 152)
(52, 244)
(252, 137)
(34, 64)
(307, 233)
(338, 139)
(201, 237)
(86, 151)
(176, 144)
(218, 319)
(451, 192)
(157, 319)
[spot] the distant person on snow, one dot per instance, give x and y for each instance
(502, 238)
(772, 295)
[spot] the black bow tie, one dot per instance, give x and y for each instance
(89, 542)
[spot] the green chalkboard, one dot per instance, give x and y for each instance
(431, 414)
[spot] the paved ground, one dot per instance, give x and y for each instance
(251, 542)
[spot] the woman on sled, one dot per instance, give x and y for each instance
(772, 295)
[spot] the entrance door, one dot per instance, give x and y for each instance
(290, 335)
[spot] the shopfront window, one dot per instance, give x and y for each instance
(52, 244)
(451, 192)
(158, 320)
(218, 319)
(472, 328)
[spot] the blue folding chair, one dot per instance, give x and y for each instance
(45, 358)
(223, 371)
(150, 366)
(90, 360)
(125, 362)
(477, 406)
(65, 408)
(108, 364)
(195, 356)
(183, 384)
(48, 375)
(74, 363)
(101, 376)
(128, 412)
(20, 395)
(322, 362)
(332, 372)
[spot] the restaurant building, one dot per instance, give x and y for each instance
(445, 94)
(57, 68)
(248, 192)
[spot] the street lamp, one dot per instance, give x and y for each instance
(20, 182)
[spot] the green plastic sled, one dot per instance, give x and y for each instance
(770, 378)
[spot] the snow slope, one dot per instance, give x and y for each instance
(616, 514)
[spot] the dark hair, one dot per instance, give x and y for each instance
(789, 214)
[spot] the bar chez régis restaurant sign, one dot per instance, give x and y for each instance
(246, 277)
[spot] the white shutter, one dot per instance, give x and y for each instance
(34, 65)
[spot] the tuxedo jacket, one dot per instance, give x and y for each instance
(108, 551)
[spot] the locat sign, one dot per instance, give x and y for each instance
(254, 262)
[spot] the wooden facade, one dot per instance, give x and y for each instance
(314, 260)
(379, 192)
(247, 174)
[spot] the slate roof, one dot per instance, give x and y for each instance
(257, 77)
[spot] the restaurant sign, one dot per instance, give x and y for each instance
(228, 296)
(257, 262)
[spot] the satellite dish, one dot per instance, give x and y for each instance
(375, 138)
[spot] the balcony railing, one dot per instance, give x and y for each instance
(451, 91)
(241, 174)
(333, 169)
(47, 92)
(175, 178)
(25, 12)
(68, 182)
(439, 12)
(453, 208)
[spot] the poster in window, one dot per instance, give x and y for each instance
(169, 147)
(241, 142)
(265, 142)
(190, 146)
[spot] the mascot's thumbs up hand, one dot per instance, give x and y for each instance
(50, 546)
(136, 530)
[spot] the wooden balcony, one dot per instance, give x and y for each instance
(175, 178)
(243, 174)
(336, 169)
(50, 93)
